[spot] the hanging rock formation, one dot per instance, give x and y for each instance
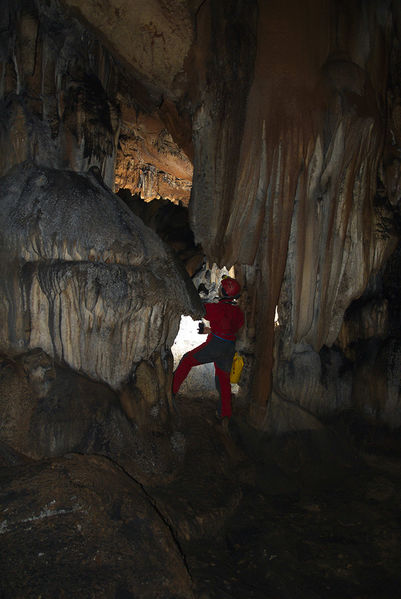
(149, 163)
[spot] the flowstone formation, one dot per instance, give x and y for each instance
(84, 279)
(291, 121)
(292, 195)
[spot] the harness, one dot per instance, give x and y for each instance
(222, 338)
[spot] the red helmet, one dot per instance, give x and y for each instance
(231, 287)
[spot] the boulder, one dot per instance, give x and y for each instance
(82, 277)
(80, 524)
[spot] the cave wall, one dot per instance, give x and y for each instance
(66, 102)
(58, 92)
(292, 188)
(291, 117)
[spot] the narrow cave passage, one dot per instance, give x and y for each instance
(201, 380)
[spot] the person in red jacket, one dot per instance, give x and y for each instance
(225, 318)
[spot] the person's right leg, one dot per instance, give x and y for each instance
(224, 387)
(182, 371)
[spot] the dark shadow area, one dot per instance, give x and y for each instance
(305, 515)
(302, 516)
(171, 222)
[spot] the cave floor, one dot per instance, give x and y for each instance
(308, 516)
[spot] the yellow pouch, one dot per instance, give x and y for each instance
(236, 368)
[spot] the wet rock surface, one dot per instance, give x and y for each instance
(302, 516)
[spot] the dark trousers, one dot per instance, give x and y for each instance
(221, 353)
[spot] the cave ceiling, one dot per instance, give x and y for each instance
(152, 41)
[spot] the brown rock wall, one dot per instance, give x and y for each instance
(297, 199)
(149, 163)
(153, 38)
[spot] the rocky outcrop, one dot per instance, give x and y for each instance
(149, 162)
(153, 39)
(58, 93)
(83, 278)
(48, 410)
(81, 525)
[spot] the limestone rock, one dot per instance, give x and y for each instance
(377, 382)
(82, 277)
(285, 416)
(317, 382)
(59, 101)
(81, 524)
(364, 320)
(171, 224)
(149, 162)
(291, 118)
(153, 38)
(48, 410)
(291, 196)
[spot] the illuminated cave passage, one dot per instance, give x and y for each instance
(149, 147)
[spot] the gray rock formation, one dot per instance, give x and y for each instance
(80, 524)
(83, 278)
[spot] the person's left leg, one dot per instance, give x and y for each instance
(224, 387)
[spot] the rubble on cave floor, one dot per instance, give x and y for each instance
(305, 516)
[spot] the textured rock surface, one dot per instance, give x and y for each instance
(49, 411)
(149, 162)
(294, 197)
(153, 38)
(66, 102)
(171, 224)
(58, 93)
(294, 114)
(83, 278)
(82, 527)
